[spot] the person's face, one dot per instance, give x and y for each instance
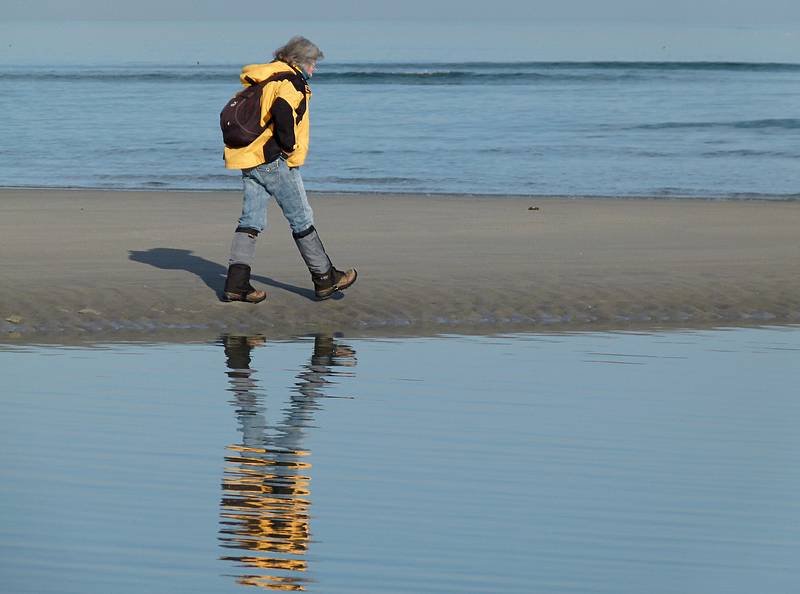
(310, 68)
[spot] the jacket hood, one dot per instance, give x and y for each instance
(255, 73)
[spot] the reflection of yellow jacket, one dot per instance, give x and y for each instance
(284, 103)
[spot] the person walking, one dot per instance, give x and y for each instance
(270, 150)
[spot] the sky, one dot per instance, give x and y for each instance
(203, 31)
(700, 12)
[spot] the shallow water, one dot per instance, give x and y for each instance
(598, 462)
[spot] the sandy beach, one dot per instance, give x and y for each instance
(104, 265)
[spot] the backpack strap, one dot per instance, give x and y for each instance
(298, 81)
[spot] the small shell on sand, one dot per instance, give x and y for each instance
(14, 319)
(89, 311)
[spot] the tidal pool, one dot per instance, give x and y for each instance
(592, 462)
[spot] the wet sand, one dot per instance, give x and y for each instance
(104, 265)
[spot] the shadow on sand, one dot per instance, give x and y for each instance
(211, 273)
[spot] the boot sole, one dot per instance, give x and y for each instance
(236, 297)
(330, 292)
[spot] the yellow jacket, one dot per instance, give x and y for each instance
(285, 102)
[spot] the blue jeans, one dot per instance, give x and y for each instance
(286, 185)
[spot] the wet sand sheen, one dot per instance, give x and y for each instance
(107, 264)
(610, 463)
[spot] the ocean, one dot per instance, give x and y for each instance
(662, 129)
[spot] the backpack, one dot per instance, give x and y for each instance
(240, 119)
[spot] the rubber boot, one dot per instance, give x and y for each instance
(326, 278)
(238, 287)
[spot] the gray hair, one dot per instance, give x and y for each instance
(299, 50)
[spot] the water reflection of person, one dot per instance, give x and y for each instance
(266, 486)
